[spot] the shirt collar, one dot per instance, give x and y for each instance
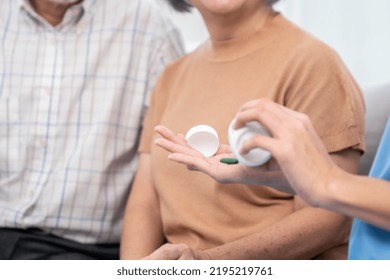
(72, 15)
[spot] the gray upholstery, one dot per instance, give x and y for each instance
(377, 112)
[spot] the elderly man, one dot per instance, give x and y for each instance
(75, 77)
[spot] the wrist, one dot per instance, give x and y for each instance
(330, 192)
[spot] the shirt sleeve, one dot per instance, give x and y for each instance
(322, 87)
(167, 48)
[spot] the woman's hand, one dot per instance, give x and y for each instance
(236, 173)
(177, 252)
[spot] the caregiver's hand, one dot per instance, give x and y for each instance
(294, 143)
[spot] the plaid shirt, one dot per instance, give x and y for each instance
(72, 100)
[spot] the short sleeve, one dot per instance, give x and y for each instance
(165, 48)
(322, 88)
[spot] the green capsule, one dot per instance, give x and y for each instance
(229, 160)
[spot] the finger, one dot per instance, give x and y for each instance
(246, 106)
(182, 138)
(166, 252)
(176, 148)
(250, 104)
(277, 119)
(169, 135)
(192, 163)
(259, 141)
(267, 117)
(247, 110)
(189, 254)
(261, 110)
(224, 149)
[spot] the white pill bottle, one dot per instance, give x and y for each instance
(237, 137)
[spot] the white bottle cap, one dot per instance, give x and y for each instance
(203, 138)
(255, 157)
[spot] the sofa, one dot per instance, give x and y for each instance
(377, 113)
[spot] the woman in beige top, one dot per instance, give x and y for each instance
(253, 52)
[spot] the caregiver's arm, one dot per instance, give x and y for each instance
(310, 170)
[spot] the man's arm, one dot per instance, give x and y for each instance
(142, 228)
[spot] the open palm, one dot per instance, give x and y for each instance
(181, 152)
